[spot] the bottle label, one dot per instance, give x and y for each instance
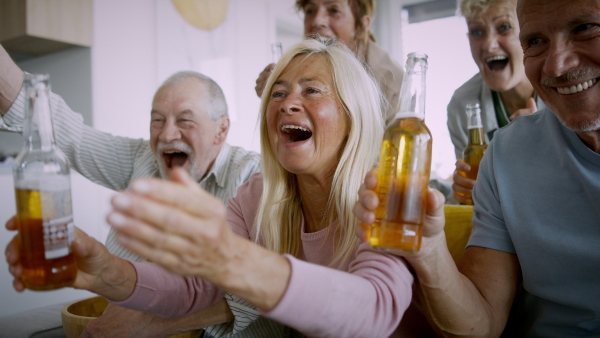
(59, 233)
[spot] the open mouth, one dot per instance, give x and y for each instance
(296, 133)
(497, 62)
(576, 88)
(174, 158)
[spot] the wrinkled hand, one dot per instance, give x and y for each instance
(530, 108)
(261, 82)
(121, 322)
(433, 226)
(462, 186)
(94, 264)
(175, 224)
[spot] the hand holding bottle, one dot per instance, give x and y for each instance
(261, 82)
(433, 224)
(405, 165)
(463, 185)
(97, 270)
(467, 169)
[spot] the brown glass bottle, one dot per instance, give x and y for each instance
(476, 147)
(43, 196)
(404, 167)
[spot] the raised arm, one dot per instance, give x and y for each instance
(11, 80)
(102, 158)
(473, 299)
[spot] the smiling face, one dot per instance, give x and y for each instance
(561, 43)
(306, 123)
(182, 134)
(494, 40)
(331, 19)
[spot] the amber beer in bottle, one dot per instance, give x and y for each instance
(43, 196)
(404, 167)
(474, 151)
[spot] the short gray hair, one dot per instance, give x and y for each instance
(216, 98)
(470, 9)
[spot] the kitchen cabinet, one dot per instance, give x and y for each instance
(37, 27)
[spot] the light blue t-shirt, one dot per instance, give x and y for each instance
(538, 196)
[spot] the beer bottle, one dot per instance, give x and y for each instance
(43, 196)
(404, 167)
(473, 153)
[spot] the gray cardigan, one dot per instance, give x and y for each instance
(475, 90)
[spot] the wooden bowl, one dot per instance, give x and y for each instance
(76, 316)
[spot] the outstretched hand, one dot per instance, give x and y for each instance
(175, 224)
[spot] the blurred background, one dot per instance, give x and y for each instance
(134, 45)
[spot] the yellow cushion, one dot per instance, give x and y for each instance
(458, 228)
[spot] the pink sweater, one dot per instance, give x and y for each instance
(367, 300)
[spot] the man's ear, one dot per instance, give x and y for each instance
(223, 129)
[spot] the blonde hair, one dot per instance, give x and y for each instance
(471, 9)
(279, 217)
(359, 9)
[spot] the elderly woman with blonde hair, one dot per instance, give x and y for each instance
(500, 88)
(286, 243)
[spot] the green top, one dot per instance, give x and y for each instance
(501, 113)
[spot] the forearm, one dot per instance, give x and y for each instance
(366, 301)
(87, 148)
(257, 275)
(217, 313)
(11, 80)
(449, 299)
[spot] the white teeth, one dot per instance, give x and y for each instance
(496, 58)
(576, 88)
(287, 127)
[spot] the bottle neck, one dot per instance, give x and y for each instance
(476, 136)
(475, 126)
(412, 93)
(37, 131)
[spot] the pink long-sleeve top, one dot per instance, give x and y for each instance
(366, 297)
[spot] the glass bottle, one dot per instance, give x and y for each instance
(43, 196)
(476, 147)
(404, 167)
(276, 51)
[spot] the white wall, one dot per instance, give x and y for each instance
(133, 54)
